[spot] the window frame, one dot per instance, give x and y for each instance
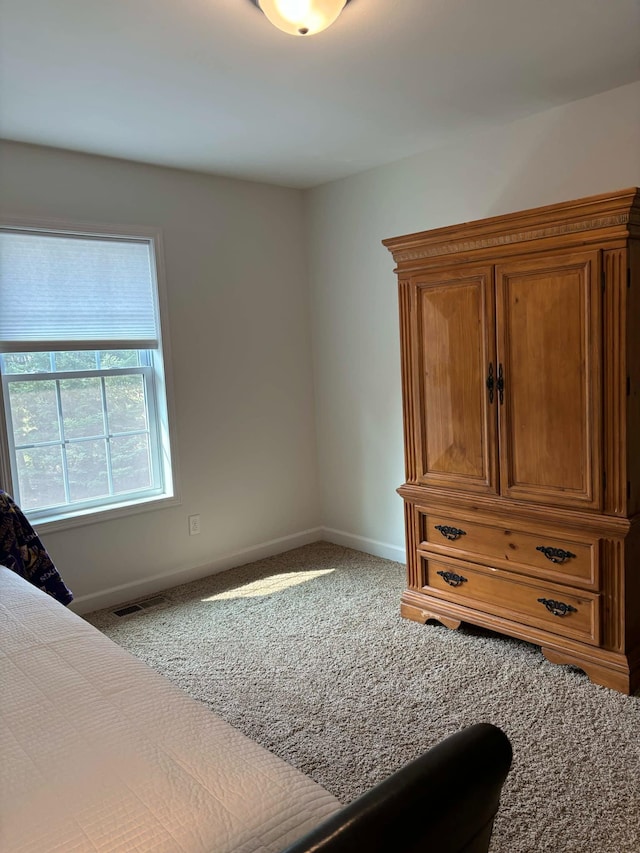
(160, 379)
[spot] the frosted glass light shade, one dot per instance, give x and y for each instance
(302, 17)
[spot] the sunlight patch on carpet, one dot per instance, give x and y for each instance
(269, 585)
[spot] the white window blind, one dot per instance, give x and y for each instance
(62, 288)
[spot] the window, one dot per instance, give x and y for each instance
(86, 425)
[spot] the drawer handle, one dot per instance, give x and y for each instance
(558, 608)
(556, 555)
(451, 533)
(452, 579)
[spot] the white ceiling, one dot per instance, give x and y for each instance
(210, 85)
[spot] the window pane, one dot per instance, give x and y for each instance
(82, 407)
(126, 404)
(131, 463)
(87, 466)
(26, 362)
(80, 360)
(112, 359)
(34, 411)
(40, 477)
(81, 422)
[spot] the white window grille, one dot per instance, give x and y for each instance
(86, 425)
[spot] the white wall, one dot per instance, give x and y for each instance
(238, 273)
(239, 321)
(580, 149)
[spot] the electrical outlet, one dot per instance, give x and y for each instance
(194, 525)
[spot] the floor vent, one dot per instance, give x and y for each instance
(140, 605)
(125, 611)
(152, 602)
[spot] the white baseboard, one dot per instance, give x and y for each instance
(361, 543)
(156, 583)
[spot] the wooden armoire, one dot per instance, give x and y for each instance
(520, 351)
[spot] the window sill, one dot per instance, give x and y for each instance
(108, 513)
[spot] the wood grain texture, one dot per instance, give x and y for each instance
(548, 316)
(501, 509)
(407, 366)
(615, 372)
(592, 220)
(630, 594)
(557, 608)
(632, 333)
(618, 678)
(454, 419)
(612, 554)
(551, 299)
(514, 548)
(411, 521)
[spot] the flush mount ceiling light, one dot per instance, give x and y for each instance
(301, 17)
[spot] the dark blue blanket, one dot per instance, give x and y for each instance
(22, 551)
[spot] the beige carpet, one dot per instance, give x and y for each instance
(307, 654)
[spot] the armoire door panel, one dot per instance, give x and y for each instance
(455, 341)
(549, 359)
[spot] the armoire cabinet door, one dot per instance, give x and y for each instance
(549, 363)
(454, 342)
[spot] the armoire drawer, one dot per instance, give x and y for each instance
(526, 551)
(549, 606)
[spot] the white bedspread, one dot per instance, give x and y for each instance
(100, 753)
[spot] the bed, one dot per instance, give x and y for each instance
(101, 753)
